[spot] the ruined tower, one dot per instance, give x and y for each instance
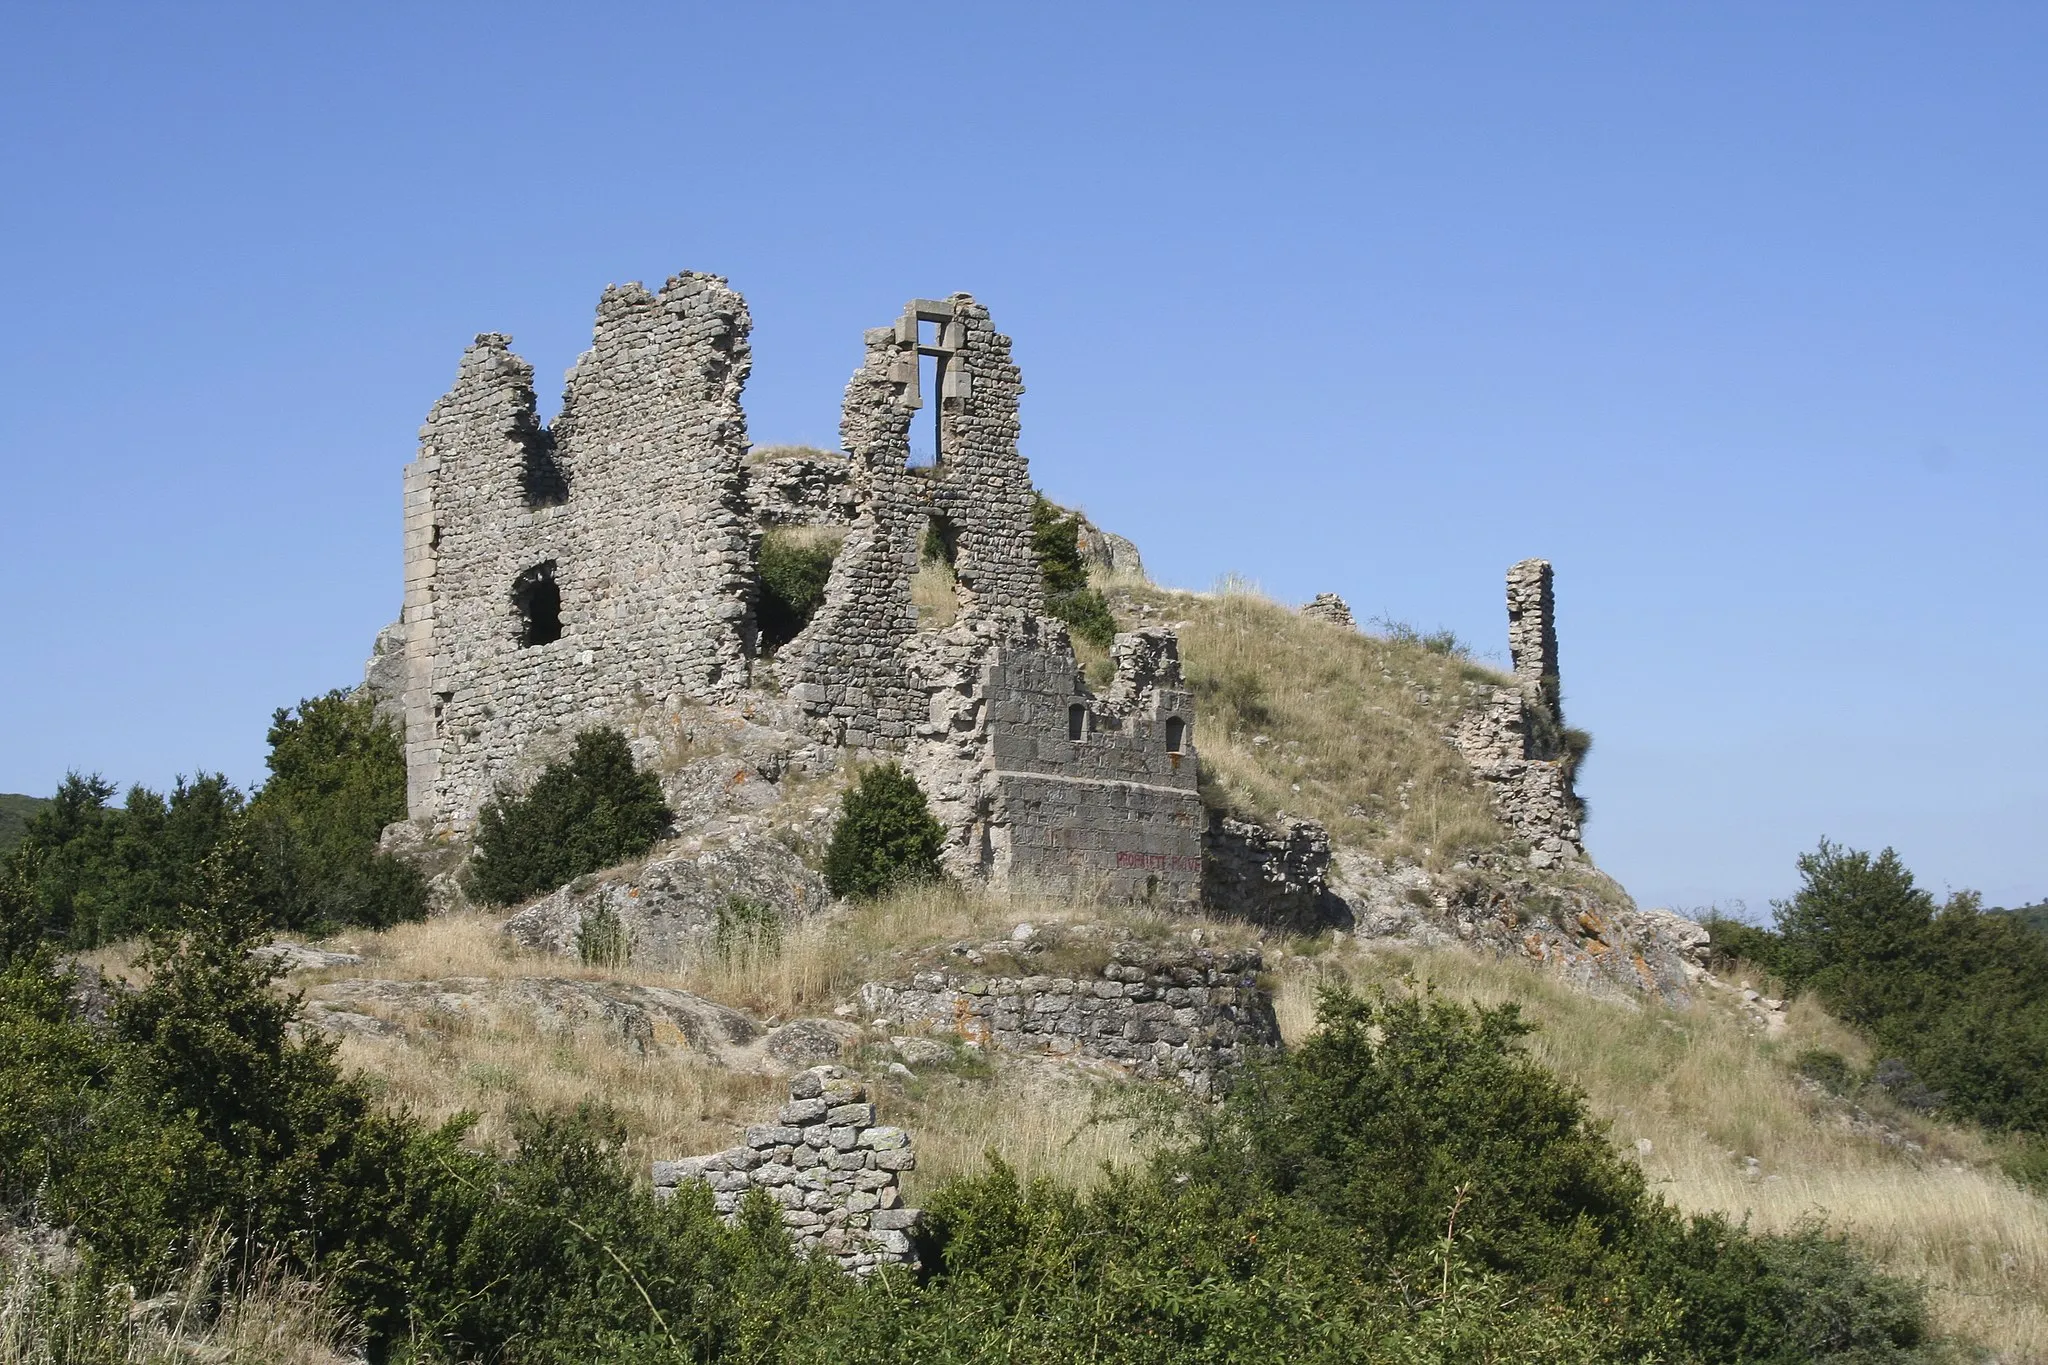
(582, 572)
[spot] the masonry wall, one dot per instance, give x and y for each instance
(1509, 737)
(1188, 1014)
(827, 1163)
(633, 503)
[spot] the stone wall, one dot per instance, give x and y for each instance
(1327, 606)
(830, 1166)
(562, 576)
(1278, 878)
(1511, 737)
(1038, 779)
(798, 486)
(1187, 1013)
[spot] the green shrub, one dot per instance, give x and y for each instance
(1730, 941)
(1056, 539)
(885, 836)
(795, 563)
(337, 778)
(589, 813)
(1829, 1070)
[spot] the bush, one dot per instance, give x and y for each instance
(794, 565)
(337, 778)
(885, 836)
(1056, 539)
(589, 813)
(602, 939)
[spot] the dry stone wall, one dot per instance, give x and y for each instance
(828, 1163)
(1274, 877)
(1327, 606)
(1188, 1014)
(797, 486)
(580, 573)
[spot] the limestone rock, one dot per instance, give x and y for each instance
(671, 905)
(809, 1042)
(1327, 606)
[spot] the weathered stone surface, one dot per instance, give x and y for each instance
(1178, 1012)
(1327, 606)
(810, 1042)
(839, 1194)
(800, 486)
(1277, 877)
(297, 957)
(671, 905)
(582, 572)
(639, 1018)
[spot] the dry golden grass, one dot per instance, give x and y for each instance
(766, 454)
(48, 1317)
(1708, 1089)
(671, 1104)
(807, 537)
(1306, 718)
(935, 592)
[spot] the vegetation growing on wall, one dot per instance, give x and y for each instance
(794, 564)
(1056, 540)
(579, 816)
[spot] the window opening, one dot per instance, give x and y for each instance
(1077, 722)
(924, 435)
(541, 480)
(1176, 734)
(539, 603)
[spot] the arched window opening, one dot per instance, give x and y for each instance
(1077, 722)
(1176, 734)
(539, 604)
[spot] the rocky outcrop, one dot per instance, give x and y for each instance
(1599, 943)
(830, 1166)
(681, 904)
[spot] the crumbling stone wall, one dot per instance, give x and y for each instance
(796, 486)
(833, 1169)
(1182, 1013)
(562, 576)
(1275, 877)
(1510, 737)
(1327, 606)
(1036, 778)
(847, 667)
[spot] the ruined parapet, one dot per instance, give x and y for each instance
(1515, 738)
(1278, 878)
(827, 1163)
(1327, 606)
(1187, 1014)
(1037, 779)
(585, 572)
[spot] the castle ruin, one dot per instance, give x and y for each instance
(602, 569)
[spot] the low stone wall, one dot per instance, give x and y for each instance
(1188, 1014)
(1327, 606)
(830, 1166)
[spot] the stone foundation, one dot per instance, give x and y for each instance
(1186, 1014)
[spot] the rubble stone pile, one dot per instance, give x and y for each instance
(828, 1163)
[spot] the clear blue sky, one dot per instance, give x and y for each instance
(1737, 312)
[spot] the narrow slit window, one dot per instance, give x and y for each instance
(1077, 722)
(539, 603)
(1176, 734)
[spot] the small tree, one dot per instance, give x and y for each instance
(886, 835)
(595, 810)
(1056, 539)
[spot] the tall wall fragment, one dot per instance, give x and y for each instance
(587, 572)
(1515, 740)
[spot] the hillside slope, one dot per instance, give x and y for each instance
(15, 813)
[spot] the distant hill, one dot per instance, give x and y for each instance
(2035, 917)
(15, 813)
